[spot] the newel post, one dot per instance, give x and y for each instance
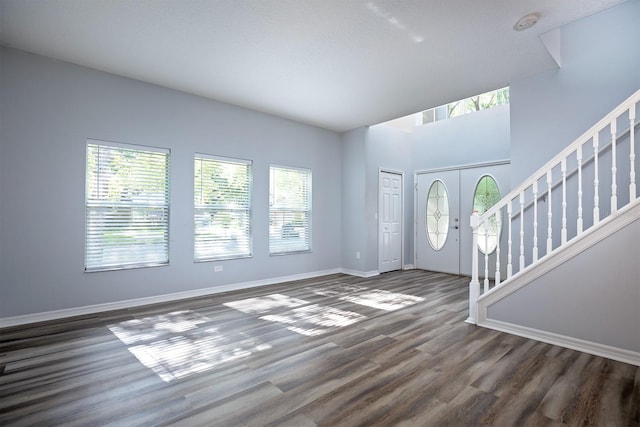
(474, 285)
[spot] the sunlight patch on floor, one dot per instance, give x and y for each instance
(297, 315)
(384, 300)
(177, 344)
(265, 304)
(182, 343)
(374, 298)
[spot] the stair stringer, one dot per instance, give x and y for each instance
(536, 272)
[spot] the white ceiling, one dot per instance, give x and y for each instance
(338, 64)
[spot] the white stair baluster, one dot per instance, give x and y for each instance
(507, 205)
(596, 182)
(498, 220)
(521, 263)
(579, 157)
(614, 169)
(632, 153)
(549, 214)
(509, 241)
(535, 221)
(563, 232)
(486, 255)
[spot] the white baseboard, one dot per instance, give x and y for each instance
(621, 355)
(409, 267)
(358, 273)
(137, 302)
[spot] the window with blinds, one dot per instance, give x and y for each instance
(289, 210)
(127, 206)
(222, 208)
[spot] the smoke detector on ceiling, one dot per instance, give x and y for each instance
(526, 21)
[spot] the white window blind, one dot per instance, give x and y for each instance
(222, 208)
(289, 210)
(127, 206)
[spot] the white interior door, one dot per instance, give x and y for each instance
(390, 222)
(438, 221)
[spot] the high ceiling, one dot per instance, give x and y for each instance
(337, 64)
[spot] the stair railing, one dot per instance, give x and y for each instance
(520, 206)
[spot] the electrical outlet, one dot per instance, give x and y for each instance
(218, 268)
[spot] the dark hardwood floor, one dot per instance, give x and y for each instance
(331, 351)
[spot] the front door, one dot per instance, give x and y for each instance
(390, 222)
(438, 221)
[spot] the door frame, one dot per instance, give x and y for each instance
(465, 227)
(379, 213)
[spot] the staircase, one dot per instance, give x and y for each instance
(580, 198)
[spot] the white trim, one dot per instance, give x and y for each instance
(358, 273)
(459, 167)
(415, 219)
(579, 244)
(393, 171)
(408, 267)
(619, 354)
(224, 159)
(137, 302)
(127, 145)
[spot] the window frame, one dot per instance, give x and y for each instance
(306, 211)
(92, 240)
(248, 209)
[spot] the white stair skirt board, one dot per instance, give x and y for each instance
(621, 355)
(117, 305)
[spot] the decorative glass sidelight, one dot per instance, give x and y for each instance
(437, 215)
(485, 196)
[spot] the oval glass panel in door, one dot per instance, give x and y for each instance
(437, 215)
(485, 196)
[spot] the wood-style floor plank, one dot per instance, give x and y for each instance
(391, 350)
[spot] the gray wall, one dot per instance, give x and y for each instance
(600, 69)
(388, 149)
(594, 296)
(354, 199)
(481, 137)
(49, 108)
(474, 138)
